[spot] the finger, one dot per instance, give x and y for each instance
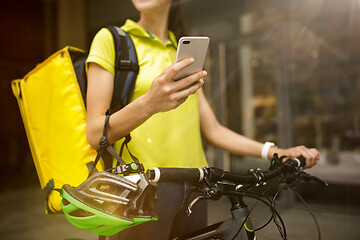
(185, 92)
(166, 70)
(177, 67)
(305, 152)
(189, 80)
(308, 157)
(315, 153)
(311, 156)
(182, 100)
(179, 102)
(315, 156)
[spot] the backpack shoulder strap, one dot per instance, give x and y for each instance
(126, 71)
(126, 68)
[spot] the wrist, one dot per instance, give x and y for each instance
(145, 106)
(272, 151)
(267, 150)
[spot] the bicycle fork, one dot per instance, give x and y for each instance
(240, 227)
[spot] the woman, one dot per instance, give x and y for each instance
(165, 118)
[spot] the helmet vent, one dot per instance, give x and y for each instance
(80, 213)
(65, 202)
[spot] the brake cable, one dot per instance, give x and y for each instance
(310, 211)
(273, 210)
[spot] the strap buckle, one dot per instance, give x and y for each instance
(130, 168)
(128, 65)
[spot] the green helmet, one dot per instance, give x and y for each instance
(107, 203)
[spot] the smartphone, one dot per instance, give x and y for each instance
(195, 47)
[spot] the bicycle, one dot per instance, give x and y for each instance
(214, 183)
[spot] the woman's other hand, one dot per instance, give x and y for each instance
(311, 155)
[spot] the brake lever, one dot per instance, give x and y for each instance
(307, 178)
(193, 202)
(323, 183)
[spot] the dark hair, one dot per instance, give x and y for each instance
(176, 22)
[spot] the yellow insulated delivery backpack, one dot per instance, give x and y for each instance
(51, 99)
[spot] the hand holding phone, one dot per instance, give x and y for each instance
(195, 47)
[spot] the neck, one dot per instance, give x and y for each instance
(156, 23)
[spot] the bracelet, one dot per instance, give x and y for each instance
(265, 150)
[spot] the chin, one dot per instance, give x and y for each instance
(150, 5)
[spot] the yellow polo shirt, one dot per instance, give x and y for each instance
(169, 139)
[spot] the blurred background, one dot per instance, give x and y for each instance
(286, 71)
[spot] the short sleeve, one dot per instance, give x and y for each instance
(102, 51)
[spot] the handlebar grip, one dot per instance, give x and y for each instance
(300, 161)
(175, 174)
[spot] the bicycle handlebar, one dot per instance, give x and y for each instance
(215, 174)
(175, 174)
(215, 183)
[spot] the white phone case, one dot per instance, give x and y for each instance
(195, 47)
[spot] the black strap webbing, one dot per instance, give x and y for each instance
(104, 145)
(48, 188)
(125, 143)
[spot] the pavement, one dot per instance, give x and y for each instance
(23, 218)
